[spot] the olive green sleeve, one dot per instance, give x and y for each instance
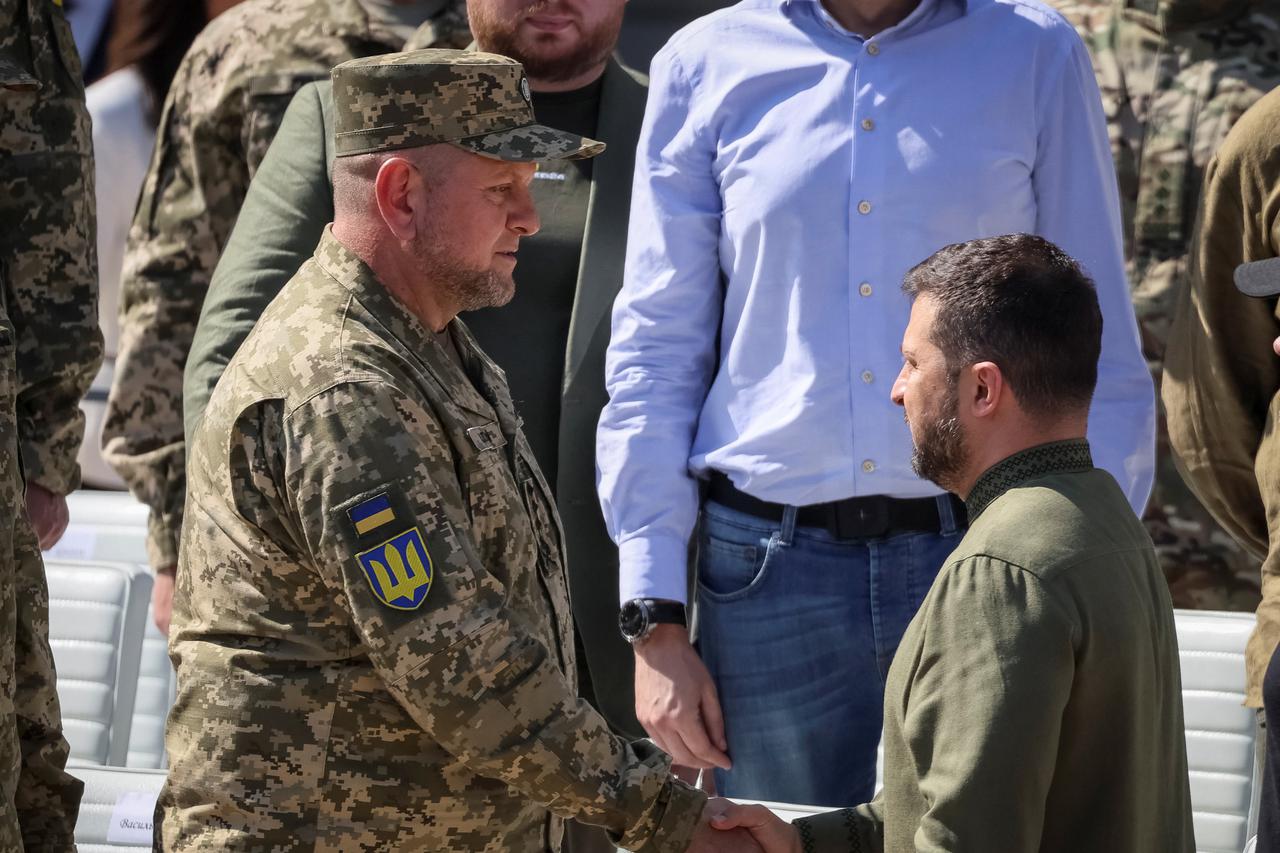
(859, 830)
(982, 714)
(1222, 377)
(285, 210)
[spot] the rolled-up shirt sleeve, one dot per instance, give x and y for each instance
(662, 353)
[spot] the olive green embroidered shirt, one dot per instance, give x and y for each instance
(1035, 701)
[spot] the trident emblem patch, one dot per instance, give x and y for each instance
(399, 570)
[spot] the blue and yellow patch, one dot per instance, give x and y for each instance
(372, 514)
(399, 570)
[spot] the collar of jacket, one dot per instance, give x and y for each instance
(1057, 457)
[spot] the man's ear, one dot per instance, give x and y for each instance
(987, 390)
(393, 190)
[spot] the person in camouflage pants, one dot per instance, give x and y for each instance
(50, 349)
(1175, 75)
(222, 111)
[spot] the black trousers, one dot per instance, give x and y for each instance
(1269, 807)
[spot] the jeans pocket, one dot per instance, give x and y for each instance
(731, 570)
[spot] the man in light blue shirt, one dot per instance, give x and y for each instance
(797, 158)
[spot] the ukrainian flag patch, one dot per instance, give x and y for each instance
(399, 570)
(371, 514)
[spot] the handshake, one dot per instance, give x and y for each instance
(728, 827)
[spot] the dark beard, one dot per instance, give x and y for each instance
(591, 52)
(941, 454)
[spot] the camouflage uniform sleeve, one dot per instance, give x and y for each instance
(206, 151)
(48, 255)
(469, 668)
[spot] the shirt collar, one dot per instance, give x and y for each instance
(963, 4)
(1058, 457)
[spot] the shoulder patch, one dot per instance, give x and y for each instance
(399, 570)
(369, 515)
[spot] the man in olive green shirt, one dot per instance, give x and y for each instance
(1221, 384)
(1035, 701)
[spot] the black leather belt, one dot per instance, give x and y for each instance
(853, 518)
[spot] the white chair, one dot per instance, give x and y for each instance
(157, 687)
(1221, 732)
(97, 617)
(109, 526)
(117, 809)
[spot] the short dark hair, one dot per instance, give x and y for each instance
(1021, 302)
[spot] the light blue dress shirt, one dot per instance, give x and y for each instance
(788, 175)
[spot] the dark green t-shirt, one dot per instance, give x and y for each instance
(546, 279)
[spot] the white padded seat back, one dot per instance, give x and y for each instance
(116, 801)
(157, 687)
(1221, 732)
(108, 526)
(96, 621)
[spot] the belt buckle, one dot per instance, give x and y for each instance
(861, 518)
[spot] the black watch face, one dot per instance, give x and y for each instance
(632, 619)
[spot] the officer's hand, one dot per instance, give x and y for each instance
(708, 838)
(676, 701)
(772, 833)
(162, 598)
(48, 514)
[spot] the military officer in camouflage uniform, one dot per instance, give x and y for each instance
(1175, 75)
(50, 349)
(223, 109)
(371, 624)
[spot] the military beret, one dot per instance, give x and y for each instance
(477, 101)
(1259, 278)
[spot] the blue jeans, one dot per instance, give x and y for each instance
(798, 629)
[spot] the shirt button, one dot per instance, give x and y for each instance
(873, 49)
(867, 376)
(864, 207)
(868, 124)
(868, 466)
(864, 289)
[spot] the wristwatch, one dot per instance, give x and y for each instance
(638, 617)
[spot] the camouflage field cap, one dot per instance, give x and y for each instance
(477, 101)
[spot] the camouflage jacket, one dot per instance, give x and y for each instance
(223, 109)
(1175, 76)
(371, 626)
(48, 245)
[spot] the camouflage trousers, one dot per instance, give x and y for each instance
(1206, 569)
(39, 800)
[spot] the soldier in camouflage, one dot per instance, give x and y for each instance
(50, 349)
(1175, 75)
(223, 109)
(371, 624)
